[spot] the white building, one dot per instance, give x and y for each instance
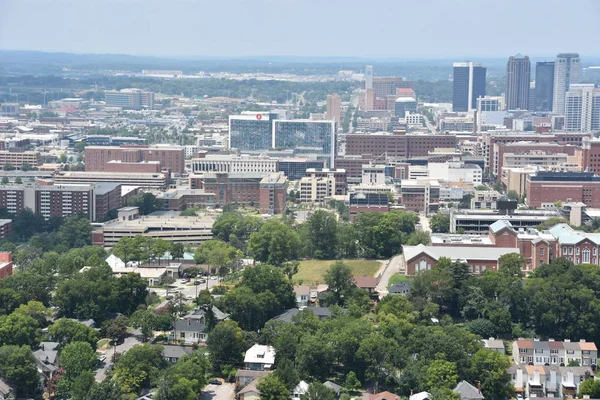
(455, 171)
(566, 73)
(233, 164)
(313, 188)
(582, 108)
(259, 357)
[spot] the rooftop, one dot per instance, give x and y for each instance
(457, 253)
(260, 354)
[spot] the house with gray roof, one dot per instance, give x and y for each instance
(173, 353)
(400, 288)
(466, 391)
(189, 331)
(244, 377)
(47, 359)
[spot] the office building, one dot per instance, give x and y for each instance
(295, 168)
(469, 82)
(171, 157)
(545, 188)
(316, 189)
(157, 180)
(591, 155)
(369, 77)
(566, 73)
(518, 76)
(516, 179)
(18, 158)
(397, 146)
(544, 86)
(420, 195)
(388, 85)
(582, 108)
(180, 199)
(334, 107)
(478, 222)
(455, 171)
(251, 131)
(540, 159)
(405, 105)
(338, 176)
(273, 194)
(490, 103)
(306, 136)
(233, 163)
(9, 110)
(129, 98)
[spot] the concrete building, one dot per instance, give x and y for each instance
(334, 107)
(233, 164)
(129, 98)
(170, 156)
(546, 188)
(479, 221)
(396, 146)
(591, 155)
(485, 199)
(405, 105)
(295, 167)
(582, 108)
(516, 179)
(338, 176)
(316, 189)
(9, 110)
(17, 158)
(544, 85)
(144, 180)
(455, 171)
(566, 73)
(468, 84)
(534, 153)
(251, 131)
(541, 159)
(306, 136)
(179, 199)
(273, 194)
(367, 202)
(420, 195)
(518, 76)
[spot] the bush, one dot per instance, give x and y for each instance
(482, 327)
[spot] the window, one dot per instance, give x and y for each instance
(542, 251)
(577, 251)
(570, 352)
(586, 352)
(585, 257)
(182, 335)
(570, 250)
(539, 351)
(554, 351)
(595, 251)
(564, 250)
(522, 350)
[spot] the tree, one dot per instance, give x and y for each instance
(74, 232)
(235, 228)
(440, 223)
(161, 246)
(352, 384)
(216, 253)
(76, 358)
(318, 391)
(590, 387)
(272, 388)
(482, 327)
(419, 237)
(8, 167)
(377, 353)
(9, 301)
(549, 223)
(18, 368)
(19, 330)
(35, 310)
(511, 264)
(314, 356)
(286, 372)
(225, 345)
(489, 367)
(275, 243)
(115, 329)
(193, 368)
(340, 281)
(513, 195)
(19, 180)
(147, 203)
(81, 385)
(323, 239)
(5, 180)
(177, 250)
(181, 389)
(63, 158)
(65, 331)
(139, 368)
(441, 373)
(108, 389)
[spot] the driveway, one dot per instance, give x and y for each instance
(392, 268)
(225, 391)
(127, 344)
(187, 289)
(424, 221)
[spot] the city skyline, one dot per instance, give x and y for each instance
(130, 28)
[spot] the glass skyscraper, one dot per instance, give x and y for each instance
(468, 85)
(306, 136)
(544, 85)
(251, 131)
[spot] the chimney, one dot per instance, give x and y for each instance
(582, 340)
(411, 392)
(479, 387)
(570, 378)
(567, 340)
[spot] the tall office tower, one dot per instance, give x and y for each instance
(544, 85)
(566, 73)
(333, 107)
(531, 102)
(518, 74)
(369, 77)
(129, 98)
(251, 130)
(307, 137)
(582, 108)
(469, 84)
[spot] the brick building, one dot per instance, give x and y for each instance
(546, 188)
(273, 194)
(179, 199)
(133, 167)
(5, 228)
(571, 152)
(397, 145)
(367, 202)
(19, 158)
(6, 264)
(353, 164)
(171, 157)
(420, 195)
(591, 155)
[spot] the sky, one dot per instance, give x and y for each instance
(346, 28)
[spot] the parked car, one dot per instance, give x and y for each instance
(215, 382)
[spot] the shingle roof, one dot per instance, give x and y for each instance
(175, 351)
(333, 386)
(4, 388)
(365, 282)
(189, 325)
(384, 396)
(467, 391)
(525, 344)
(251, 387)
(302, 290)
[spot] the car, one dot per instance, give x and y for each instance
(202, 281)
(184, 280)
(215, 382)
(213, 277)
(102, 358)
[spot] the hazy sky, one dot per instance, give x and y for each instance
(365, 28)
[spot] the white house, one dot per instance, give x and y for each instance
(259, 357)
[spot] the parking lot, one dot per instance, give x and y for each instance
(226, 391)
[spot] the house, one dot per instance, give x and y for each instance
(400, 288)
(259, 357)
(466, 391)
(366, 282)
(552, 352)
(302, 295)
(47, 359)
(420, 396)
(199, 313)
(333, 386)
(173, 353)
(190, 331)
(494, 344)
(300, 389)
(244, 377)
(6, 392)
(321, 312)
(548, 380)
(250, 392)
(385, 396)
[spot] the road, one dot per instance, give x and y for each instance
(218, 392)
(127, 344)
(392, 268)
(187, 289)
(428, 124)
(424, 221)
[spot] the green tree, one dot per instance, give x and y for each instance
(18, 369)
(139, 368)
(275, 243)
(441, 373)
(5, 180)
(286, 372)
(419, 237)
(19, 330)
(216, 254)
(9, 301)
(549, 223)
(8, 167)
(323, 239)
(590, 387)
(315, 356)
(76, 358)
(35, 310)
(82, 384)
(318, 391)
(352, 384)
(489, 368)
(115, 329)
(147, 203)
(161, 246)
(193, 368)
(18, 180)
(440, 223)
(513, 195)
(177, 250)
(63, 158)
(108, 389)
(377, 352)
(235, 228)
(181, 389)
(340, 281)
(225, 345)
(272, 388)
(65, 331)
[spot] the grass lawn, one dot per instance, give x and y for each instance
(312, 271)
(101, 343)
(398, 277)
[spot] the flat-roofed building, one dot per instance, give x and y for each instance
(158, 180)
(170, 156)
(420, 195)
(316, 189)
(179, 199)
(19, 158)
(233, 163)
(129, 98)
(545, 188)
(338, 175)
(479, 221)
(361, 202)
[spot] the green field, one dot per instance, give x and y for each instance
(399, 277)
(311, 271)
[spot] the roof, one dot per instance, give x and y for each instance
(333, 386)
(385, 396)
(287, 316)
(251, 387)
(499, 225)
(400, 287)
(457, 253)
(199, 313)
(260, 354)
(420, 396)
(302, 290)
(190, 325)
(175, 351)
(301, 388)
(588, 346)
(365, 282)
(493, 343)
(554, 345)
(4, 388)
(467, 391)
(250, 373)
(525, 344)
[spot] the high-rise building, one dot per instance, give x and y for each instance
(469, 84)
(306, 136)
(333, 107)
(369, 77)
(129, 98)
(566, 73)
(405, 105)
(251, 131)
(544, 85)
(582, 108)
(518, 74)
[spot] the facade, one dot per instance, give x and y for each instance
(273, 194)
(455, 171)
(129, 98)
(548, 381)
(591, 155)
(338, 175)
(170, 156)
(158, 180)
(367, 202)
(566, 73)
(6, 264)
(538, 159)
(259, 358)
(485, 199)
(516, 179)
(233, 164)
(397, 146)
(9, 110)
(544, 85)
(388, 85)
(420, 195)
(19, 158)
(582, 108)
(554, 352)
(479, 221)
(526, 152)
(518, 76)
(318, 137)
(295, 168)
(251, 131)
(404, 105)
(316, 189)
(546, 188)
(490, 103)
(334, 107)
(180, 199)
(468, 84)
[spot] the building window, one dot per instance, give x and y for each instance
(577, 251)
(570, 250)
(564, 250)
(585, 257)
(542, 251)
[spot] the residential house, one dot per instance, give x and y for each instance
(366, 282)
(420, 396)
(259, 357)
(548, 380)
(249, 392)
(173, 353)
(320, 312)
(47, 359)
(466, 391)
(386, 396)
(302, 295)
(551, 352)
(300, 389)
(244, 377)
(6, 392)
(400, 288)
(200, 314)
(189, 331)
(495, 345)
(333, 386)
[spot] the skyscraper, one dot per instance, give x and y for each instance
(566, 73)
(368, 77)
(518, 74)
(469, 84)
(333, 107)
(544, 85)
(582, 108)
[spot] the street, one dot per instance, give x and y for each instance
(127, 344)
(392, 268)
(226, 391)
(424, 221)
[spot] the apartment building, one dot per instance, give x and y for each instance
(545, 188)
(535, 352)
(361, 202)
(420, 195)
(19, 158)
(548, 381)
(171, 157)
